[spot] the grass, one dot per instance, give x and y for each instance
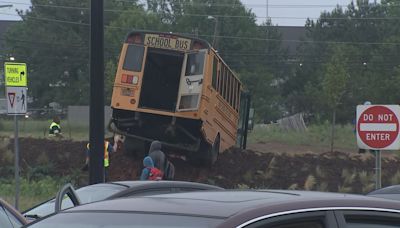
(40, 128)
(31, 192)
(315, 135)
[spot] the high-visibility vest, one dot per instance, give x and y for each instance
(51, 127)
(106, 154)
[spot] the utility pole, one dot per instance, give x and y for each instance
(96, 134)
(266, 25)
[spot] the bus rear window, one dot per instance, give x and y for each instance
(133, 58)
(189, 101)
(195, 64)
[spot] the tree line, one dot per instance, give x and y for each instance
(348, 56)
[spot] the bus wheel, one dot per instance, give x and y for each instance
(213, 152)
(134, 147)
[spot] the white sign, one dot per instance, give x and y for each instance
(378, 127)
(16, 100)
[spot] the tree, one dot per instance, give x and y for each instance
(53, 39)
(334, 84)
(53, 42)
(370, 53)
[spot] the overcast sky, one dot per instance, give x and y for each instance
(292, 12)
(282, 12)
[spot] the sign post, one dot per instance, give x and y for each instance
(378, 129)
(16, 87)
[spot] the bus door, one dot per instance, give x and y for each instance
(191, 82)
(243, 120)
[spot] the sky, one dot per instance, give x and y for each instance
(292, 12)
(282, 12)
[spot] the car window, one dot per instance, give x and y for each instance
(86, 194)
(5, 221)
(316, 223)
(371, 222)
(309, 224)
(368, 219)
(123, 220)
(297, 220)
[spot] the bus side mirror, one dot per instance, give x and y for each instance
(251, 119)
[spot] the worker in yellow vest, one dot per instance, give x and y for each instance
(108, 148)
(55, 128)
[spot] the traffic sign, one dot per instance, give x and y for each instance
(15, 74)
(378, 127)
(16, 100)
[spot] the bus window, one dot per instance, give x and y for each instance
(234, 93)
(231, 90)
(134, 58)
(215, 72)
(221, 79)
(226, 85)
(189, 101)
(228, 95)
(195, 64)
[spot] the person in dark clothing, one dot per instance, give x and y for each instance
(169, 171)
(159, 158)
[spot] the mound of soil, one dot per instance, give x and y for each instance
(337, 171)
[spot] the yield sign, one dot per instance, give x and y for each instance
(378, 127)
(11, 98)
(16, 100)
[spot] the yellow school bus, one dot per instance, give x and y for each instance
(178, 90)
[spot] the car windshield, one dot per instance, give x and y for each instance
(86, 194)
(124, 219)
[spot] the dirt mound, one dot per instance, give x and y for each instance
(337, 171)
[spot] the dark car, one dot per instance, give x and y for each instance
(272, 209)
(9, 217)
(112, 190)
(390, 192)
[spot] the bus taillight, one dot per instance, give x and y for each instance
(134, 39)
(129, 79)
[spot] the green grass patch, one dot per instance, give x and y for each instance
(319, 135)
(40, 129)
(31, 192)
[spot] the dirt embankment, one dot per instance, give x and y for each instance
(337, 171)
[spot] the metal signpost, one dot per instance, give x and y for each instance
(378, 129)
(16, 87)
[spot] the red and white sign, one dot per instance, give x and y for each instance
(16, 100)
(378, 127)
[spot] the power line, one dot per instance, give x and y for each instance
(220, 15)
(278, 5)
(47, 19)
(46, 5)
